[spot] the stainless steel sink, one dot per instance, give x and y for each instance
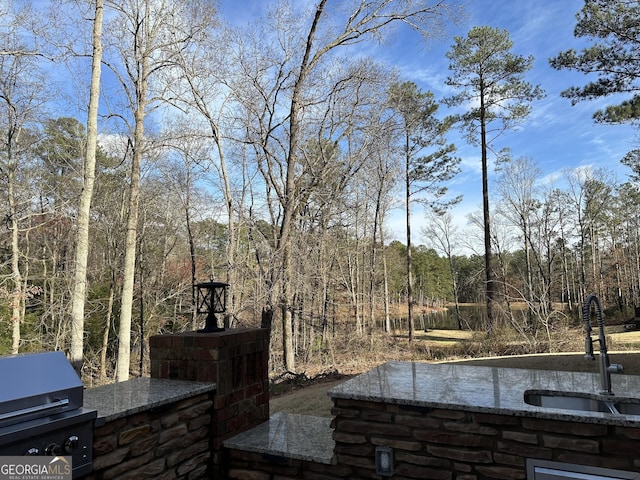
(582, 402)
(627, 408)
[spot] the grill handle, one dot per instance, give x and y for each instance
(37, 409)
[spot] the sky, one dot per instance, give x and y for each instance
(557, 136)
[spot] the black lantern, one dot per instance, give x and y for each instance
(212, 300)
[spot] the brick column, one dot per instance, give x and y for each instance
(236, 360)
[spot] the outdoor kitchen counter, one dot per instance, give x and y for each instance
(290, 435)
(484, 389)
(122, 399)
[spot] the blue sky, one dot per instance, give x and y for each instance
(557, 136)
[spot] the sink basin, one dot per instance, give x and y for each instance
(627, 408)
(569, 402)
(582, 402)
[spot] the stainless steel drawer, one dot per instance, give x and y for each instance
(546, 470)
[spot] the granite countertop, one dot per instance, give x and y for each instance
(485, 389)
(289, 435)
(139, 394)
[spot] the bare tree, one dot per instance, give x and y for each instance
(380, 177)
(517, 188)
(22, 95)
(78, 297)
(586, 199)
(285, 89)
(144, 38)
(442, 234)
(181, 172)
(205, 89)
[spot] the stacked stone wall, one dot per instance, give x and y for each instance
(445, 444)
(171, 442)
(450, 444)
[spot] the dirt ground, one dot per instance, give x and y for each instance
(313, 399)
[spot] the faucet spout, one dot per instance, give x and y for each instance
(606, 369)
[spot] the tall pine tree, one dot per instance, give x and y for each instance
(614, 28)
(490, 80)
(420, 133)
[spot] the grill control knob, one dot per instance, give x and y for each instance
(33, 451)
(70, 444)
(52, 449)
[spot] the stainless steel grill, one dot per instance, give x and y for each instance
(41, 410)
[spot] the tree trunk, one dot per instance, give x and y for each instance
(126, 303)
(385, 274)
(82, 234)
(488, 261)
(408, 219)
(377, 220)
(16, 275)
(124, 332)
(529, 274)
(192, 256)
(231, 247)
(105, 332)
(284, 241)
(454, 285)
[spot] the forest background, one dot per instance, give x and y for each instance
(258, 156)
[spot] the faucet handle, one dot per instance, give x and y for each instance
(615, 368)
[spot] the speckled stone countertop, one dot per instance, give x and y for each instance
(139, 394)
(301, 437)
(485, 389)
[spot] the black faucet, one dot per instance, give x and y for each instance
(606, 369)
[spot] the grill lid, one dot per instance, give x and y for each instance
(37, 385)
